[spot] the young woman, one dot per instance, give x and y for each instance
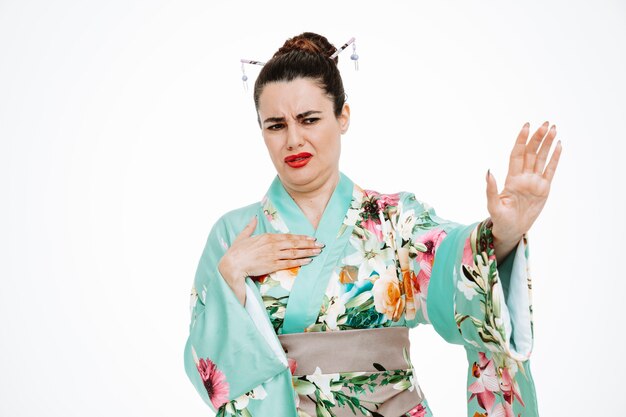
(302, 302)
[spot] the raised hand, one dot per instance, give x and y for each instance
(262, 254)
(526, 188)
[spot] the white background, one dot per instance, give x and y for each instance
(125, 133)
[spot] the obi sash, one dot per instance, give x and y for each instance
(370, 366)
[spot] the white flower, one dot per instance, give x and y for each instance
(351, 217)
(193, 300)
(286, 277)
(258, 393)
(203, 295)
(335, 309)
(467, 287)
(369, 255)
(323, 382)
(406, 224)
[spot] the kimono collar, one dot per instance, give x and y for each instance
(297, 222)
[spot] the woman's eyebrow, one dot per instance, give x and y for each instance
(282, 119)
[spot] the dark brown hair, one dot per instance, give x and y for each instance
(304, 56)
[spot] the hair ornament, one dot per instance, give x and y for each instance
(353, 57)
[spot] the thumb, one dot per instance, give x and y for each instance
(492, 192)
(248, 230)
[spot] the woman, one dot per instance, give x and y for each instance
(302, 302)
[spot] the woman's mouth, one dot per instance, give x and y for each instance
(298, 160)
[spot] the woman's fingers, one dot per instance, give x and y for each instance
(298, 253)
(492, 193)
(248, 230)
(554, 161)
(516, 159)
(530, 154)
(544, 150)
(291, 263)
(284, 241)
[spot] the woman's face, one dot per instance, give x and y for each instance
(301, 133)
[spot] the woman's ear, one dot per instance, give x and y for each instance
(344, 118)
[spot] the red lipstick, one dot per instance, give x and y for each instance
(298, 160)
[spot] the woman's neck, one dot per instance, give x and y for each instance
(313, 202)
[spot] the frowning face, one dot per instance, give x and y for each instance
(302, 133)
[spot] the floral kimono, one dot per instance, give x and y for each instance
(389, 264)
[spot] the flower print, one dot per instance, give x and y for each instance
(193, 300)
(408, 276)
(509, 387)
(417, 411)
(322, 381)
(223, 243)
(370, 256)
(203, 294)
(348, 274)
(406, 224)
(415, 286)
(468, 288)
(468, 253)
(335, 309)
(385, 200)
(292, 365)
(431, 239)
(272, 216)
(502, 410)
(374, 227)
(257, 393)
(286, 277)
(382, 200)
(213, 379)
(486, 384)
(387, 294)
(259, 278)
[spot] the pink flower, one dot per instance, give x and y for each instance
(468, 254)
(417, 411)
(214, 381)
(431, 239)
(486, 384)
(374, 227)
(385, 200)
(509, 387)
(502, 410)
(292, 365)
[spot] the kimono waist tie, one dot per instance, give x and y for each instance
(370, 365)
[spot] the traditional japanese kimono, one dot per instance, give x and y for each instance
(331, 338)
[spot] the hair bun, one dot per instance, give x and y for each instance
(308, 42)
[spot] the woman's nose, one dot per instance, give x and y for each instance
(295, 137)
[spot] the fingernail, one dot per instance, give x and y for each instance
(527, 125)
(311, 238)
(319, 244)
(488, 173)
(546, 123)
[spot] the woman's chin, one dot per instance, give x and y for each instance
(299, 177)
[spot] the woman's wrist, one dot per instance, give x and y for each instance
(235, 280)
(504, 242)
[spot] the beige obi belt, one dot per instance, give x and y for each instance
(352, 372)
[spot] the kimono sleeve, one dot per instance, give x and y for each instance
(226, 357)
(473, 300)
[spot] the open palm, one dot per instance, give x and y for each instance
(527, 185)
